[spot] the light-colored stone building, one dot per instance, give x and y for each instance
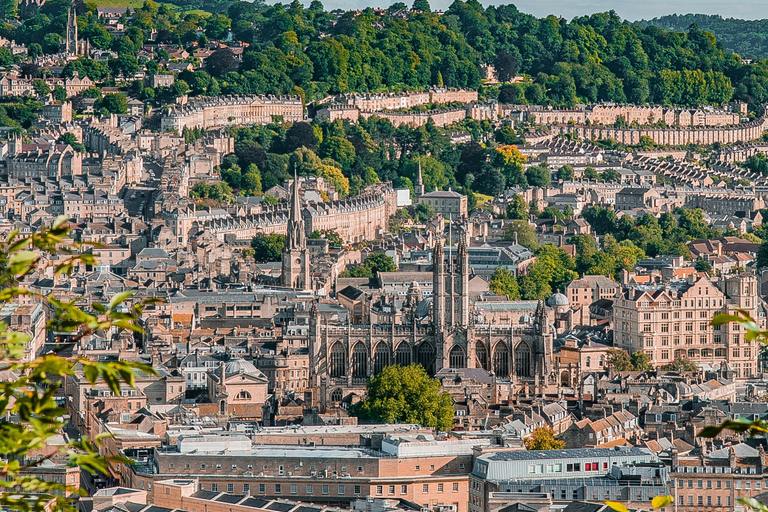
(672, 321)
(446, 202)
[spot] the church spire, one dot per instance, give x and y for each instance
(295, 260)
(419, 188)
(295, 200)
(71, 42)
(296, 233)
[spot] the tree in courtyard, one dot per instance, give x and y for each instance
(380, 262)
(268, 247)
(619, 360)
(526, 234)
(334, 239)
(406, 394)
(680, 364)
(114, 103)
(503, 282)
(517, 208)
(543, 438)
(703, 265)
(641, 361)
(565, 173)
(30, 416)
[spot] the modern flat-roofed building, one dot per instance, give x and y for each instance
(415, 467)
(626, 474)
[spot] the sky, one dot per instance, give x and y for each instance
(627, 9)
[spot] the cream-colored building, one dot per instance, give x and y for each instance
(446, 202)
(673, 322)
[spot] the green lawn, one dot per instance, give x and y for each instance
(133, 4)
(482, 199)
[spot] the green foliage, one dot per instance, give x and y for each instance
(543, 438)
(406, 394)
(375, 262)
(703, 265)
(31, 416)
(526, 234)
(503, 282)
(218, 191)
(268, 247)
(539, 176)
(71, 139)
(621, 361)
(553, 270)
(115, 103)
(334, 239)
(757, 163)
(422, 212)
(680, 364)
(565, 173)
(517, 209)
(744, 37)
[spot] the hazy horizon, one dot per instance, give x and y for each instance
(630, 10)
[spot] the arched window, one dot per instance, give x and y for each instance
(501, 360)
(223, 407)
(336, 395)
(482, 355)
(243, 395)
(403, 356)
(360, 361)
(338, 360)
(380, 357)
(426, 357)
(523, 360)
(456, 358)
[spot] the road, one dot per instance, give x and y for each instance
(140, 198)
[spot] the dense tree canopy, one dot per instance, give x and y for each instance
(294, 49)
(406, 394)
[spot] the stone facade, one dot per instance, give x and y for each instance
(444, 331)
(671, 136)
(222, 111)
(668, 322)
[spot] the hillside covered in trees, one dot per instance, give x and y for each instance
(748, 38)
(309, 51)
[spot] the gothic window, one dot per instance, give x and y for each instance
(457, 357)
(336, 395)
(523, 360)
(338, 360)
(482, 355)
(243, 395)
(501, 360)
(403, 357)
(426, 357)
(360, 361)
(380, 357)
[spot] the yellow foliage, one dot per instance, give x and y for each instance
(335, 177)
